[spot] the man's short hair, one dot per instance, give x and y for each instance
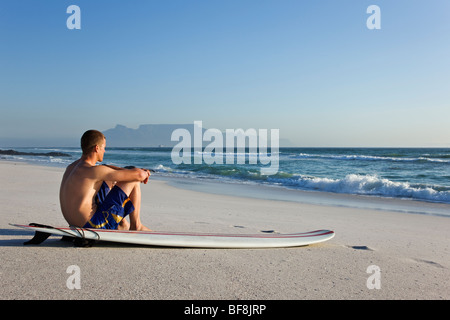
(90, 139)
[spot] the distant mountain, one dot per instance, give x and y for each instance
(46, 154)
(147, 135)
(153, 135)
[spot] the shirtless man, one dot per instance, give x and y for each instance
(101, 196)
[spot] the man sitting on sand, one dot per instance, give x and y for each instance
(102, 196)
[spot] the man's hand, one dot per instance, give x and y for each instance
(148, 176)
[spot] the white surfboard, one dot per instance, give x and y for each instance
(182, 239)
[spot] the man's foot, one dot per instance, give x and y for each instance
(140, 227)
(144, 228)
(123, 225)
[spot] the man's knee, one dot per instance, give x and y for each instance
(128, 187)
(110, 184)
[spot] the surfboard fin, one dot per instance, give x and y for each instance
(38, 238)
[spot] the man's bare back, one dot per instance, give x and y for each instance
(77, 193)
(82, 181)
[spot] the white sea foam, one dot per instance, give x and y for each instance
(162, 168)
(368, 185)
(365, 158)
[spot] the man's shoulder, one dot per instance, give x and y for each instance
(81, 168)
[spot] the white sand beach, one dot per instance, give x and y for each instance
(412, 251)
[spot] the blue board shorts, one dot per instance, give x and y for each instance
(112, 206)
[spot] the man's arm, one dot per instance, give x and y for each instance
(113, 167)
(109, 173)
(127, 167)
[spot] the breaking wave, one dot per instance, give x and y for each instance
(443, 159)
(367, 185)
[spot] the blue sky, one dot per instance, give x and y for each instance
(309, 68)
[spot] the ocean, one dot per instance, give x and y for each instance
(421, 174)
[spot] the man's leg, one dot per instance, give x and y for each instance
(133, 190)
(124, 225)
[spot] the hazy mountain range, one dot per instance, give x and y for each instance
(146, 135)
(154, 135)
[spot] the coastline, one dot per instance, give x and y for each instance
(411, 250)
